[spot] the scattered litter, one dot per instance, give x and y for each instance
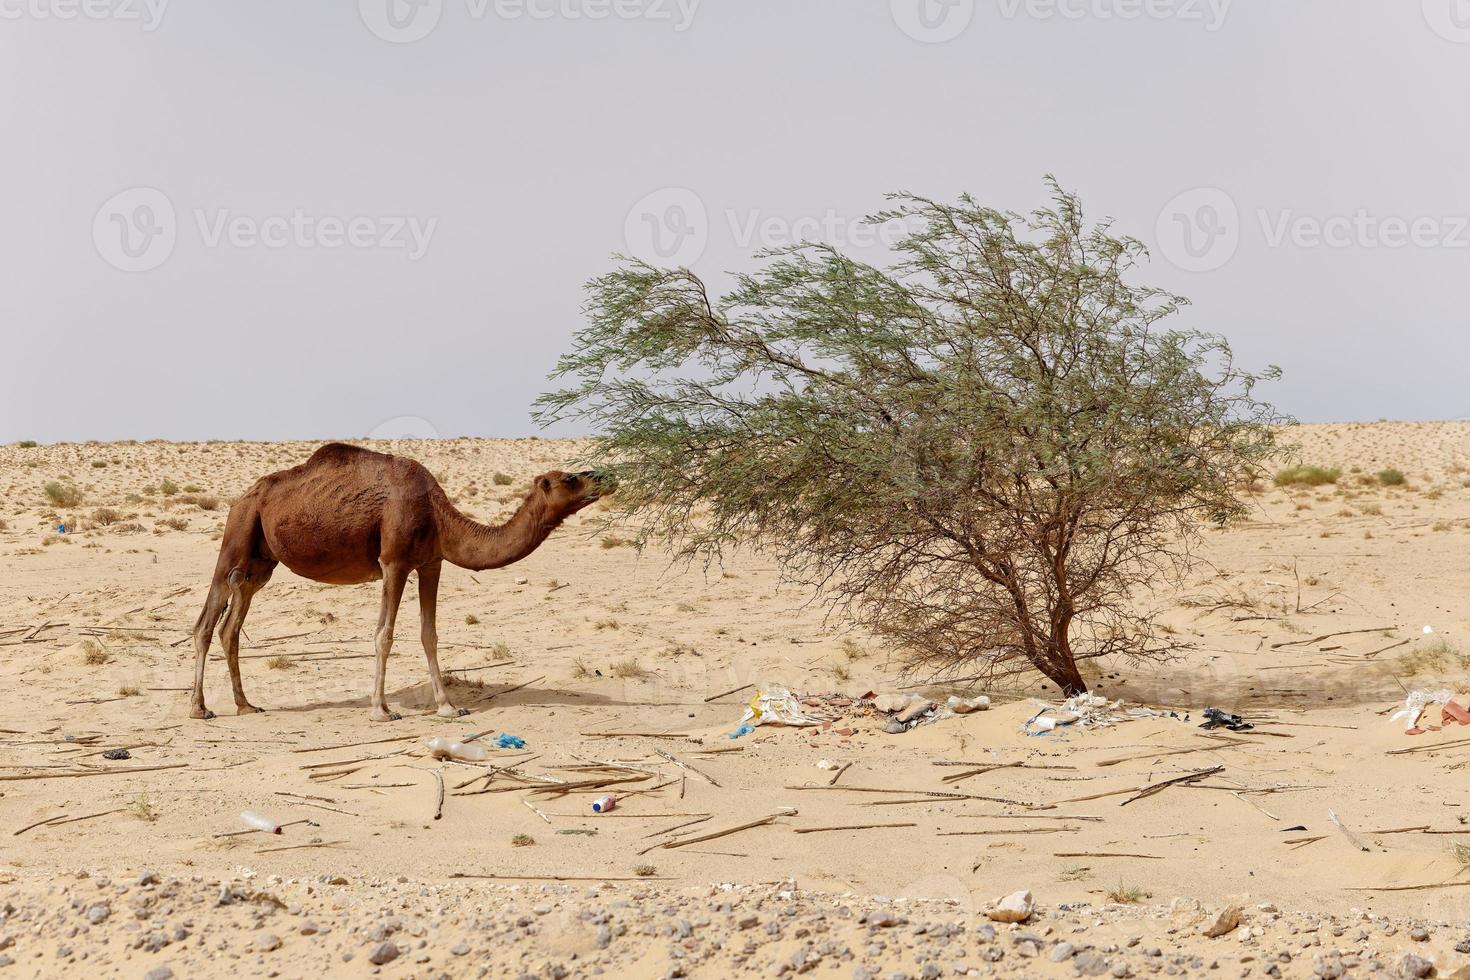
(510, 741)
(826, 764)
(442, 748)
(1215, 718)
(117, 755)
(1086, 711)
(604, 803)
(1415, 704)
(777, 706)
(257, 822)
(744, 729)
(1428, 630)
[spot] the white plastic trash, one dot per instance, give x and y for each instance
(442, 748)
(257, 822)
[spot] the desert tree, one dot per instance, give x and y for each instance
(987, 452)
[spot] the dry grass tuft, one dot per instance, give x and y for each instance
(629, 669)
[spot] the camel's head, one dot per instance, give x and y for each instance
(567, 493)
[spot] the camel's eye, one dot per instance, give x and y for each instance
(570, 480)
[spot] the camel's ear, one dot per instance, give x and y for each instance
(545, 483)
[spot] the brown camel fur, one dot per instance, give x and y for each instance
(350, 515)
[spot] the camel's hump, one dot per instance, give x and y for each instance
(342, 452)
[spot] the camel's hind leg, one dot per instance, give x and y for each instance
(214, 608)
(428, 610)
(395, 577)
(244, 585)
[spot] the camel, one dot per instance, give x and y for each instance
(349, 515)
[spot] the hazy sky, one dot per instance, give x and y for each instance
(286, 219)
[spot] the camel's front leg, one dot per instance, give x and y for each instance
(428, 614)
(395, 577)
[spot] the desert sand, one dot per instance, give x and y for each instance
(1309, 618)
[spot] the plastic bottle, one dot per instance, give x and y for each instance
(604, 803)
(258, 822)
(443, 748)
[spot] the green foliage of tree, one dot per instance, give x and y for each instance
(986, 452)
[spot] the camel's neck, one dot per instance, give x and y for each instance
(476, 546)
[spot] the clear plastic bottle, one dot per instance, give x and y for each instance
(258, 822)
(443, 748)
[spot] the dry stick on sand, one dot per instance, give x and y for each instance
(510, 689)
(1223, 743)
(297, 847)
(684, 765)
(92, 772)
(1033, 816)
(530, 806)
(63, 818)
(929, 794)
(1328, 636)
(489, 877)
(789, 811)
(838, 774)
(670, 830)
(1017, 830)
(1456, 743)
(1105, 854)
(726, 694)
(854, 826)
(1160, 787)
(439, 806)
(353, 745)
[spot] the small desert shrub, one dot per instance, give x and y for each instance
(63, 494)
(1307, 476)
(471, 620)
(99, 464)
(612, 541)
(92, 653)
(522, 840)
(168, 488)
(1392, 477)
(645, 871)
(177, 523)
(191, 488)
(106, 516)
(27, 444)
(1436, 656)
(629, 669)
(1371, 510)
(580, 670)
(502, 479)
(129, 691)
(280, 663)
(1127, 894)
(143, 809)
(204, 502)
(3, 525)
(499, 651)
(605, 624)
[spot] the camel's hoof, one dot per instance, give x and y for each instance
(450, 711)
(247, 709)
(385, 715)
(202, 713)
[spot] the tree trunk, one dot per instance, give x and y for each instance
(1060, 668)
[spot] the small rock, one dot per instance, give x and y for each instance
(1419, 934)
(1412, 966)
(310, 928)
(1015, 907)
(1062, 952)
(267, 942)
(161, 972)
(97, 914)
(384, 952)
(463, 949)
(1224, 923)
